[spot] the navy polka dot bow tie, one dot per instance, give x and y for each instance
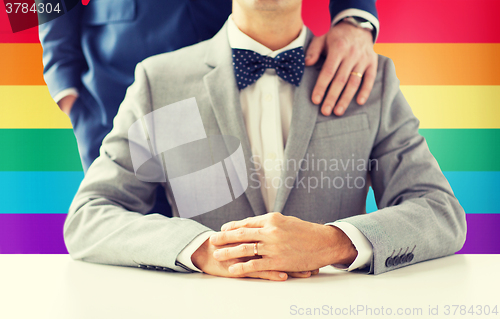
(249, 66)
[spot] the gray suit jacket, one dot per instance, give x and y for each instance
(107, 221)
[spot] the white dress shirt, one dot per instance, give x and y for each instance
(267, 110)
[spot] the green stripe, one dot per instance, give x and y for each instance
(465, 149)
(56, 149)
(39, 150)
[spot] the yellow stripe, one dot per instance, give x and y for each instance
(455, 106)
(30, 107)
(435, 106)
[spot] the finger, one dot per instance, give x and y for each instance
(326, 75)
(250, 266)
(314, 272)
(240, 235)
(337, 86)
(269, 275)
(368, 80)
(250, 222)
(240, 251)
(314, 50)
(300, 274)
(350, 90)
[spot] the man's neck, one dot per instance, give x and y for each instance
(273, 29)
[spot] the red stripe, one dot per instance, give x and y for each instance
(6, 35)
(27, 36)
(316, 15)
(402, 21)
(439, 21)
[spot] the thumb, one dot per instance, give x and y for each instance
(314, 50)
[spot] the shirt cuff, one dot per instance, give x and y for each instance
(69, 91)
(360, 242)
(360, 14)
(184, 256)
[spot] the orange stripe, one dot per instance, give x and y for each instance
(444, 63)
(21, 64)
(416, 63)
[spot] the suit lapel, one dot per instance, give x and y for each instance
(225, 101)
(304, 115)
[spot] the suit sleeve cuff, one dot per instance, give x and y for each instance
(184, 256)
(360, 242)
(361, 14)
(69, 91)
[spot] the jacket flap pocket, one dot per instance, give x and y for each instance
(344, 125)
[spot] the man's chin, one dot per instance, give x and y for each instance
(271, 5)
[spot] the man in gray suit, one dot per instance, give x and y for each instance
(250, 82)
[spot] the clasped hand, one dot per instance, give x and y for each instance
(287, 246)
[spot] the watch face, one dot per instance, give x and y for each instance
(367, 25)
(363, 23)
(360, 22)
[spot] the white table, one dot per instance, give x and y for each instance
(55, 286)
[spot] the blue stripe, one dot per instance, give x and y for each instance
(476, 192)
(37, 192)
(371, 205)
(52, 192)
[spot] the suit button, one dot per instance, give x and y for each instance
(389, 262)
(150, 267)
(402, 259)
(397, 260)
(410, 257)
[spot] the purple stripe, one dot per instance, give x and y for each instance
(483, 234)
(43, 234)
(32, 234)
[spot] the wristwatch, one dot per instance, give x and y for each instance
(361, 23)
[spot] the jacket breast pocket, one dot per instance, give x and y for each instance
(99, 12)
(340, 126)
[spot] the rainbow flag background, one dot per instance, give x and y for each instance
(447, 56)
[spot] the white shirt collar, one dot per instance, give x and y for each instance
(239, 40)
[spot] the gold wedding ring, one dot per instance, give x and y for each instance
(255, 251)
(357, 73)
